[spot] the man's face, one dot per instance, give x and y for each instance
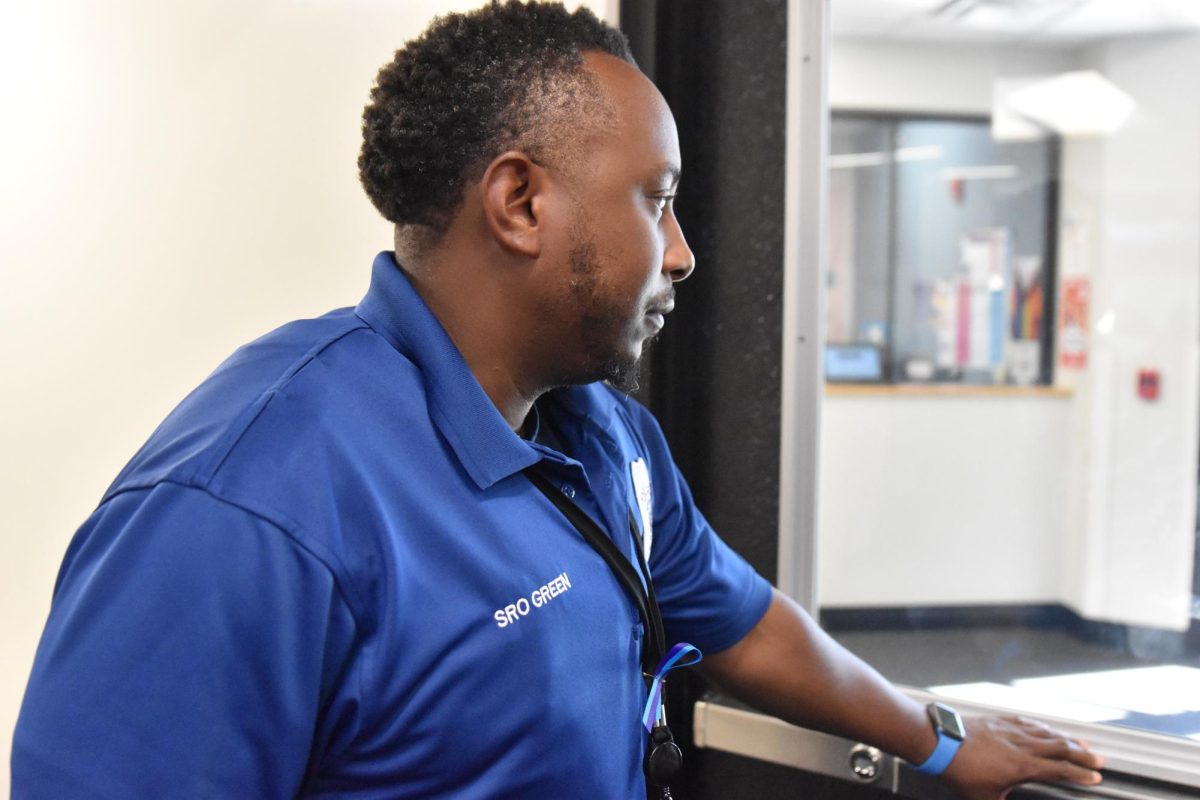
(625, 249)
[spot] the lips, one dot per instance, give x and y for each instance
(662, 307)
(656, 313)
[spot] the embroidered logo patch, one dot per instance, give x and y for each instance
(640, 476)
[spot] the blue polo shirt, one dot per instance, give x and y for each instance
(324, 575)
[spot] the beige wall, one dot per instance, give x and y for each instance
(177, 178)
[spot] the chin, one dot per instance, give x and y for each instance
(618, 361)
(623, 370)
(625, 379)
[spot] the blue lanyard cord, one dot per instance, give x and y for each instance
(674, 659)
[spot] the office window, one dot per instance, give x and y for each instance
(941, 250)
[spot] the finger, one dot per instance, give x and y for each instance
(1081, 754)
(1067, 772)
(1086, 758)
(1041, 730)
(1063, 748)
(1079, 750)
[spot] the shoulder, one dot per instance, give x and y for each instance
(286, 420)
(272, 433)
(304, 365)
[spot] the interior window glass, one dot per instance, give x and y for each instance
(1008, 505)
(940, 250)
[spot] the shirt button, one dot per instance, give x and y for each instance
(568, 490)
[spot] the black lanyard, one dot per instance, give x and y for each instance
(663, 757)
(623, 569)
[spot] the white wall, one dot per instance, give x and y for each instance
(177, 179)
(1136, 197)
(941, 500)
(1105, 482)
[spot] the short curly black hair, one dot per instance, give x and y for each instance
(507, 76)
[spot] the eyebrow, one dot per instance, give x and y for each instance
(669, 170)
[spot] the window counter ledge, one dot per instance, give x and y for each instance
(943, 390)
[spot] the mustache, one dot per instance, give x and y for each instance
(663, 304)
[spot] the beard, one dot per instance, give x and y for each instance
(624, 374)
(604, 324)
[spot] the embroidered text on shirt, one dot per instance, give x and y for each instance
(537, 598)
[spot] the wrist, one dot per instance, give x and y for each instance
(948, 727)
(915, 739)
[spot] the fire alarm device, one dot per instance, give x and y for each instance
(1148, 384)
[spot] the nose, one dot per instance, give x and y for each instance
(678, 259)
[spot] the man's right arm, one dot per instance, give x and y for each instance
(789, 667)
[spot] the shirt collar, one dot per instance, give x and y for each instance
(488, 449)
(592, 403)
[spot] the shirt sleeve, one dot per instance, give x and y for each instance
(709, 596)
(192, 650)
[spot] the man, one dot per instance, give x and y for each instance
(331, 571)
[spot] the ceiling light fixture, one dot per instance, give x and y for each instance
(1083, 103)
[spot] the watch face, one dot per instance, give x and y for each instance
(946, 719)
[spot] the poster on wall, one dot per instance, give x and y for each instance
(944, 314)
(1073, 326)
(1026, 305)
(984, 265)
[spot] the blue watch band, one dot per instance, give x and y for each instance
(941, 756)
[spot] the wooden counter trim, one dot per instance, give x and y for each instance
(942, 390)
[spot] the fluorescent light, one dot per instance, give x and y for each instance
(1083, 103)
(1007, 124)
(916, 153)
(851, 160)
(991, 172)
(929, 152)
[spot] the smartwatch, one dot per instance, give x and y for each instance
(948, 726)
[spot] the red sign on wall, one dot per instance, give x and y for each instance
(1073, 322)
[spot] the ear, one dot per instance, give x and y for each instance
(512, 202)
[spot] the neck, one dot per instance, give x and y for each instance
(486, 331)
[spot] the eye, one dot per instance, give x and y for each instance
(661, 201)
